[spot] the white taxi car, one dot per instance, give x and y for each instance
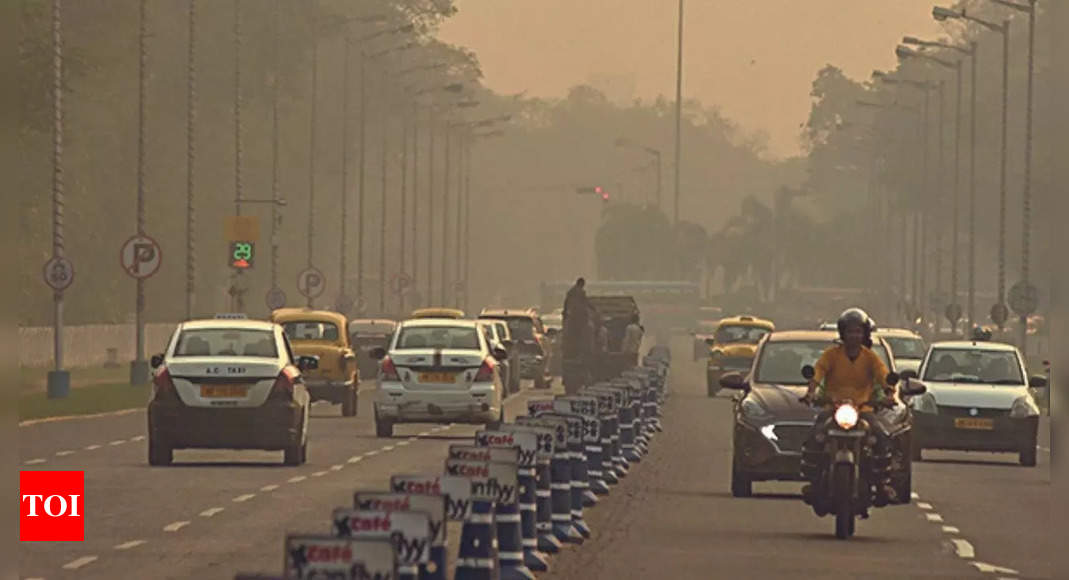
(228, 383)
(978, 399)
(439, 370)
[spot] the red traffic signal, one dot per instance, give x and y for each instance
(604, 196)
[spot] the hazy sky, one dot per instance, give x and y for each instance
(755, 59)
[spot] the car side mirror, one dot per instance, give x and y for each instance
(507, 343)
(892, 379)
(378, 353)
(1037, 382)
(156, 361)
(808, 372)
(500, 353)
(308, 363)
(913, 388)
(734, 381)
(907, 375)
(710, 341)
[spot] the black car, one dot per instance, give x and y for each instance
(771, 424)
(364, 336)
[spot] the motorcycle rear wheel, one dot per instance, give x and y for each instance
(843, 487)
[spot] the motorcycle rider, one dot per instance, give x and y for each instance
(849, 371)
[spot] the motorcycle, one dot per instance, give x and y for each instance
(844, 486)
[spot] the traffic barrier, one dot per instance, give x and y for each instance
(617, 463)
(408, 530)
(527, 445)
(456, 494)
(587, 408)
(627, 423)
(576, 469)
(323, 556)
(547, 437)
(491, 483)
(560, 482)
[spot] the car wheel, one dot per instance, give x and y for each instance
(741, 485)
(348, 404)
(159, 453)
(383, 427)
(903, 478)
(1027, 456)
(294, 453)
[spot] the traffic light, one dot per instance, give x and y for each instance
(590, 189)
(604, 196)
(242, 255)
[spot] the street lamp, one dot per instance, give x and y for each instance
(998, 311)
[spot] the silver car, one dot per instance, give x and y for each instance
(978, 399)
(438, 370)
(908, 347)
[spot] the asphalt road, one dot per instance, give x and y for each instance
(218, 512)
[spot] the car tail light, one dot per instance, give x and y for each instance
(486, 372)
(388, 371)
(283, 387)
(164, 386)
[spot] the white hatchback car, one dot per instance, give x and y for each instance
(438, 370)
(228, 384)
(978, 399)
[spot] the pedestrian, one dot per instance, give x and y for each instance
(632, 339)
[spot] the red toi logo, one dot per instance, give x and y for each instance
(51, 506)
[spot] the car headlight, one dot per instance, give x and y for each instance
(1024, 407)
(846, 416)
(925, 404)
(751, 409)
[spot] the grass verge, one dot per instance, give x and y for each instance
(83, 401)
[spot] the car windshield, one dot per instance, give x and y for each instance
(502, 330)
(301, 330)
(454, 337)
(973, 365)
(906, 347)
(520, 328)
(226, 342)
(378, 328)
(781, 362)
(740, 334)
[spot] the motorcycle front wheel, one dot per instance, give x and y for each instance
(843, 486)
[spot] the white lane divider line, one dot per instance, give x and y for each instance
(337, 467)
(175, 526)
(951, 530)
(271, 487)
(243, 497)
(34, 461)
(138, 438)
(210, 512)
(92, 447)
(117, 442)
(924, 506)
(64, 453)
(297, 479)
(83, 561)
(319, 474)
(993, 569)
(964, 549)
(355, 459)
(129, 545)
(934, 517)
(389, 448)
(403, 443)
(413, 439)
(372, 453)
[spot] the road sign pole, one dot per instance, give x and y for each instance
(139, 370)
(58, 377)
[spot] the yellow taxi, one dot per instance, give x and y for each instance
(732, 347)
(437, 313)
(323, 334)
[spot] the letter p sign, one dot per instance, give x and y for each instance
(51, 506)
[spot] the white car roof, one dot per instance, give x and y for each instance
(975, 345)
(457, 322)
(897, 332)
(228, 323)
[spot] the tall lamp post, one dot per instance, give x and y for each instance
(679, 110)
(999, 312)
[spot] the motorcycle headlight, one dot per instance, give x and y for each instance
(846, 416)
(751, 409)
(1024, 407)
(925, 404)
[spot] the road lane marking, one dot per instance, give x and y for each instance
(389, 448)
(130, 544)
(138, 438)
(64, 453)
(92, 447)
(934, 517)
(83, 561)
(337, 467)
(372, 453)
(34, 461)
(914, 495)
(993, 569)
(951, 530)
(117, 442)
(403, 443)
(271, 487)
(71, 417)
(243, 497)
(425, 433)
(356, 459)
(175, 526)
(210, 512)
(964, 549)
(297, 479)
(924, 506)
(319, 474)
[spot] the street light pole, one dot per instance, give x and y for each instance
(1004, 160)
(343, 250)
(58, 377)
(445, 217)
(972, 184)
(139, 370)
(679, 110)
(430, 205)
(310, 233)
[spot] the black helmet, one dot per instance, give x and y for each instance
(854, 316)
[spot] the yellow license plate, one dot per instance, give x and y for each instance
(979, 424)
(223, 391)
(437, 377)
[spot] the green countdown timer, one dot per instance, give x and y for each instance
(242, 255)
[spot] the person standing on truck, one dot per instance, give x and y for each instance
(577, 342)
(632, 339)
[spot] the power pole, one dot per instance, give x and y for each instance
(679, 111)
